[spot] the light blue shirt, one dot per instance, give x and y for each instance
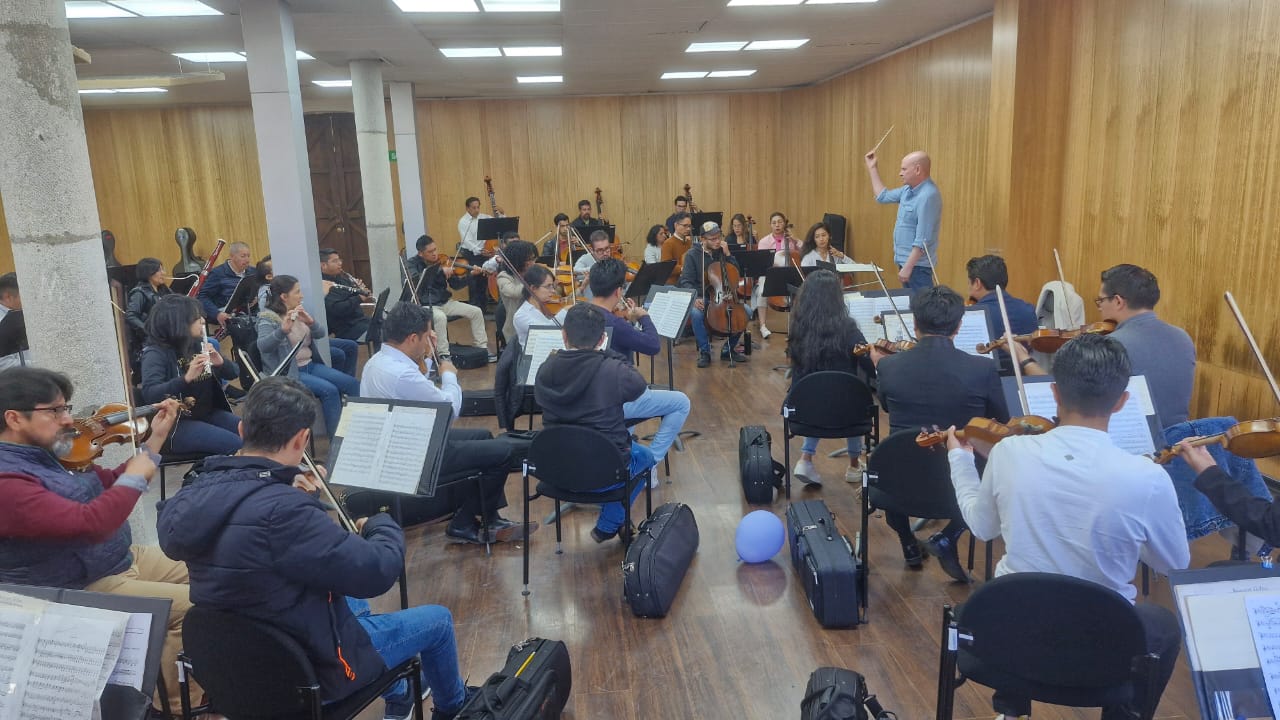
(919, 216)
(391, 375)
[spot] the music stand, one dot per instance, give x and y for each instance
(647, 276)
(495, 228)
(126, 275)
(699, 218)
(182, 284)
(585, 231)
(245, 291)
(781, 282)
(754, 263)
(13, 335)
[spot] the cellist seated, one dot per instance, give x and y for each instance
(693, 277)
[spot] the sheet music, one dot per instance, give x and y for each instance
(361, 432)
(1128, 428)
(859, 267)
(131, 667)
(1264, 619)
(64, 674)
(668, 310)
(384, 450)
(118, 621)
(973, 332)
(863, 311)
(18, 635)
(541, 342)
(1219, 636)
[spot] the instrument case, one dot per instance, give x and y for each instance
(825, 562)
(658, 559)
(760, 473)
(533, 685)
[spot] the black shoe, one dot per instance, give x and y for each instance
(600, 536)
(941, 547)
(468, 534)
(437, 714)
(704, 359)
(504, 530)
(911, 553)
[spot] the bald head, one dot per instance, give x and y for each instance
(915, 168)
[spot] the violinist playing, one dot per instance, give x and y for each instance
(1070, 502)
(678, 244)
(71, 529)
(986, 273)
(433, 281)
(696, 262)
(520, 254)
(936, 383)
(545, 296)
(598, 249)
(1257, 513)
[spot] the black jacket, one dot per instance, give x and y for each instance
(162, 377)
(142, 297)
(433, 288)
(936, 384)
(342, 309)
(218, 288)
(588, 388)
(1256, 515)
(695, 261)
(258, 547)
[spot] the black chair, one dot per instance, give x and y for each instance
(251, 670)
(903, 477)
(1052, 638)
(571, 464)
(373, 335)
(828, 404)
(169, 460)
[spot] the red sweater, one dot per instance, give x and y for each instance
(31, 511)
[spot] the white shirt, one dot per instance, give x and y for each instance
(491, 265)
(1071, 502)
(529, 315)
(812, 258)
(391, 375)
(652, 254)
(467, 228)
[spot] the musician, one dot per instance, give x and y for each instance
(598, 249)
(681, 208)
(177, 363)
(471, 249)
(584, 219)
(71, 529)
(677, 245)
(520, 254)
(581, 385)
(432, 287)
(653, 244)
(10, 300)
(915, 232)
(260, 546)
(393, 373)
(544, 285)
(1259, 516)
(607, 279)
(142, 297)
(343, 294)
(817, 248)
(1162, 352)
(222, 281)
(693, 276)
(738, 237)
(1070, 502)
(782, 244)
(935, 383)
(263, 274)
(558, 244)
(986, 273)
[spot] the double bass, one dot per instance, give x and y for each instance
(491, 246)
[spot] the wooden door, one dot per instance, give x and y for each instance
(336, 190)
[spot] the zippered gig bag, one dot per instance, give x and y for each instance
(658, 559)
(533, 685)
(760, 473)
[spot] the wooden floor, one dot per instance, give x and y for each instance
(740, 641)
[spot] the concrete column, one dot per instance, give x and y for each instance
(50, 206)
(267, 26)
(404, 119)
(375, 172)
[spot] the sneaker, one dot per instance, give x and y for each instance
(853, 475)
(806, 473)
(601, 536)
(764, 332)
(941, 547)
(704, 359)
(401, 708)
(493, 358)
(912, 555)
(438, 714)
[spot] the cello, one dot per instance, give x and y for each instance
(782, 303)
(724, 313)
(747, 287)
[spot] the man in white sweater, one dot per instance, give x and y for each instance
(1071, 502)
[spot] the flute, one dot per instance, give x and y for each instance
(204, 346)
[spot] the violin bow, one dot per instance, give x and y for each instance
(1253, 344)
(893, 304)
(1062, 277)
(933, 269)
(413, 291)
(502, 258)
(1008, 339)
(124, 370)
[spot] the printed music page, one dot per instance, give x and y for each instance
(1264, 619)
(64, 675)
(973, 332)
(863, 311)
(404, 448)
(541, 342)
(668, 310)
(1128, 428)
(18, 635)
(118, 620)
(131, 667)
(361, 431)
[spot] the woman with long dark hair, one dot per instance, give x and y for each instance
(284, 323)
(174, 365)
(822, 337)
(817, 247)
(653, 244)
(738, 236)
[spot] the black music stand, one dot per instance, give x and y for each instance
(671, 372)
(126, 275)
(585, 231)
(754, 263)
(245, 291)
(495, 228)
(13, 335)
(649, 275)
(699, 218)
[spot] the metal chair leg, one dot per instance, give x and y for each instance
(559, 547)
(525, 592)
(786, 455)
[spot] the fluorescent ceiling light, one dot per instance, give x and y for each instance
(97, 91)
(470, 52)
(729, 46)
(521, 5)
(684, 75)
(544, 51)
(166, 8)
(106, 91)
(743, 3)
(776, 44)
(731, 73)
(93, 9)
(212, 57)
(438, 6)
(836, 2)
(530, 79)
(302, 55)
(332, 83)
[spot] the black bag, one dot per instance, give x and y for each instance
(839, 694)
(760, 472)
(825, 562)
(478, 403)
(658, 558)
(466, 357)
(533, 685)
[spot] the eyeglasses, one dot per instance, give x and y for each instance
(547, 286)
(56, 410)
(685, 224)
(1097, 302)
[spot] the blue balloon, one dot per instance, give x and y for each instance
(759, 537)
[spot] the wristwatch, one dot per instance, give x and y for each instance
(1023, 365)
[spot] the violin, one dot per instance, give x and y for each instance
(884, 346)
(1048, 340)
(1249, 439)
(459, 268)
(111, 426)
(983, 433)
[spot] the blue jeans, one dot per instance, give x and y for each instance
(671, 405)
(854, 445)
(217, 434)
(921, 278)
(344, 353)
(425, 631)
(612, 513)
(699, 322)
(328, 385)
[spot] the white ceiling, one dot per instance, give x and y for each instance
(610, 46)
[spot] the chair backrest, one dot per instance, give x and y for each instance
(829, 399)
(906, 478)
(374, 333)
(577, 459)
(248, 668)
(1053, 630)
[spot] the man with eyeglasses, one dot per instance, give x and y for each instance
(681, 208)
(678, 244)
(71, 529)
(598, 249)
